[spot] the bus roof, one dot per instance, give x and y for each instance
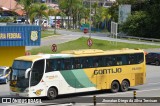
(29, 57)
(78, 53)
(94, 52)
(42, 56)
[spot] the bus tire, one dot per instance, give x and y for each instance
(157, 63)
(124, 86)
(52, 93)
(114, 87)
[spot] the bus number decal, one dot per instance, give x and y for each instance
(107, 71)
(137, 68)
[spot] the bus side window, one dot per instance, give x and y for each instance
(67, 64)
(49, 65)
(84, 62)
(132, 59)
(124, 60)
(77, 63)
(119, 60)
(90, 62)
(140, 58)
(108, 61)
(96, 61)
(100, 61)
(59, 65)
(87, 62)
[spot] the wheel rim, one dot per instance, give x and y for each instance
(125, 85)
(115, 87)
(157, 63)
(52, 94)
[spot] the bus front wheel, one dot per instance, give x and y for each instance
(52, 93)
(114, 87)
(124, 86)
(157, 63)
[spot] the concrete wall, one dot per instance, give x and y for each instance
(8, 54)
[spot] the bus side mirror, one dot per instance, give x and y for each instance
(26, 72)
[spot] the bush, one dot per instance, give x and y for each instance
(6, 19)
(135, 24)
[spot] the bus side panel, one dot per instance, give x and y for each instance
(70, 81)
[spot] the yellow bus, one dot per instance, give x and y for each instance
(77, 71)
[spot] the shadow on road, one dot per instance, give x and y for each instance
(86, 97)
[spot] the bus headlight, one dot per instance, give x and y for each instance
(26, 90)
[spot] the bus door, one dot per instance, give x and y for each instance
(36, 80)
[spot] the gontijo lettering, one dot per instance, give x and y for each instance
(10, 36)
(107, 71)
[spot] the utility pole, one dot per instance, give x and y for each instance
(90, 21)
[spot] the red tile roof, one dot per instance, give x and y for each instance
(12, 6)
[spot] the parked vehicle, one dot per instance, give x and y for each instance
(44, 22)
(153, 58)
(4, 74)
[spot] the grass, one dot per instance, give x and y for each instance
(47, 33)
(81, 43)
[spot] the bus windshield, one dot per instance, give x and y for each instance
(18, 79)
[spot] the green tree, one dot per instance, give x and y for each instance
(153, 26)
(95, 7)
(105, 15)
(63, 16)
(26, 4)
(76, 11)
(68, 7)
(135, 24)
(144, 23)
(39, 11)
(84, 13)
(137, 5)
(54, 12)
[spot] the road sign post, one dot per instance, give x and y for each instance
(54, 48)
(27, 53)
(89, 42)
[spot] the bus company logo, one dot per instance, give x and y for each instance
(34, 35)
(51, 77)
(38, 92)
(107, 71)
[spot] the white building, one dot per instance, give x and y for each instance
(104, 3)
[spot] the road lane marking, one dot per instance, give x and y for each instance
(153, 83)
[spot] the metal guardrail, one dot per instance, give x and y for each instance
(137, 38)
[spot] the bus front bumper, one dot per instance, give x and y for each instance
(17, 94)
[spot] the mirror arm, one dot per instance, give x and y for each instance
(26, 73)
